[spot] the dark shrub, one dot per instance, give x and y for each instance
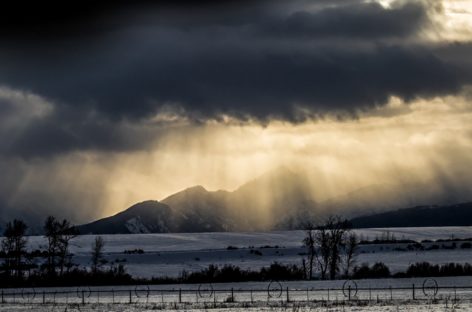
(378, 270)
(466, 245)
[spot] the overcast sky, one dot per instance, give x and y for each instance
(109, 103)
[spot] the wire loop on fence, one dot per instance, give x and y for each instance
(274, 289)
(350, 289)
(28, 295)
(142, 291)
(205, 290)
(85, 292)
(430, 287)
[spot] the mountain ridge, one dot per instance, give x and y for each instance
(277, 200)
(260, 204)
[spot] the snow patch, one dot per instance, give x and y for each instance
(136, 226)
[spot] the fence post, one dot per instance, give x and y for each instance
(44, 297)
(349, 292)
(130, 298)
(328, 294)
(83, 297)
(370, 294)
(232, 295)
(455, 294)
(413, 291)
(113, 295)
(252, 300)
(288, 298)
(180, 295)
(3, 301)
(98, 296)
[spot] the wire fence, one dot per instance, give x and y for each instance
(274, 293)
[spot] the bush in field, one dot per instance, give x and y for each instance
(282, 272)
(466, 245)
(232, 273)
(422, 269)
(426, 269)
(115, 275)
(378, 270)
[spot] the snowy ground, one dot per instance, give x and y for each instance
(147, 308)
(169, 254)
(376, 291)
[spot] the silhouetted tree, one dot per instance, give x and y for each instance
(323, 243)
(350, 247)
(309, 242)
(67, 232)
(50, 232)
(326, 243)
(14, 247)
(58, 234)
(97, 254)
(336, 228)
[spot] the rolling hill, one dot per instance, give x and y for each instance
(420, 216)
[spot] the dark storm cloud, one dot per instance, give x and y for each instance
(369, 20)
(53, 20)
(67, 131)
(457, 54)
(122, 63)
(52, 136)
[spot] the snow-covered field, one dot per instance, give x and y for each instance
(169, 254)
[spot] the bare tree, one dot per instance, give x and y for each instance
(325, 243)
(8, 247)
(322, 239)
(14, 246)
(59, 234)
(97, 254)
(51, 233)
(350, 247)
(310, 244)
(337, 229)
(67, 232)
